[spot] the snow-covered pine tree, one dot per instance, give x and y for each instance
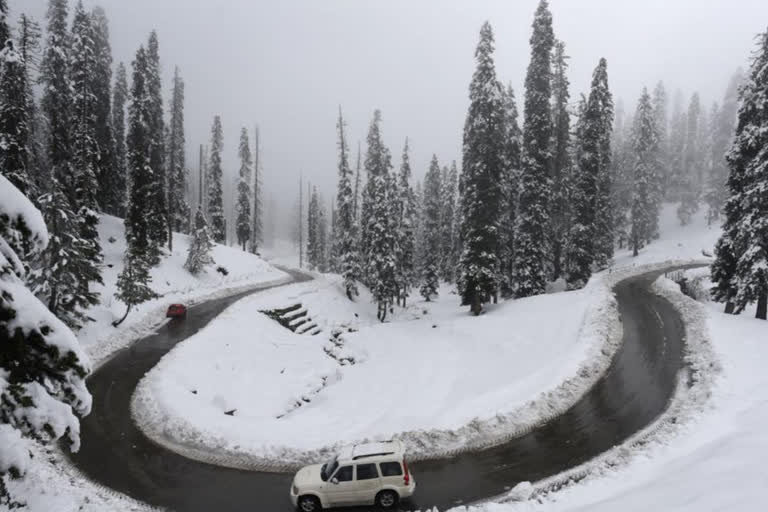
(199, 255)
(592, 225)
(690, 191)
(511, 189)
(5, 31)
(85, 156)
(660, 103)
(243, 222)
(133, 283)
(119, 99)
(178, 174)
(257, 229)
(722, 135)
(158, 208)
(406, 226)
(215, 191)
(14, 119)
(560, 163)
(380, 240)
(677, 136)
(56, 102)
(28, 44)
(446, 223)
(740, 271)
(346, 236)
(449, 188)
(531, 248)
(322, 237)
(313, 247)
(483, 169)
(646, 165)
(137, 229)
(358, 190)
(430, 277)
(623, 173)
(42, 368)
(110, 195)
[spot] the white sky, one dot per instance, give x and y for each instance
(288, 64)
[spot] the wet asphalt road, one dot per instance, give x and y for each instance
(634, 391)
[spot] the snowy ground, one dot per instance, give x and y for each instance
(423, 376)
(51, 483)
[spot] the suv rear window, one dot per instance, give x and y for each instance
(390, 469)
(366, 471)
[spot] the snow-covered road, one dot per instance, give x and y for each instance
(633, 393)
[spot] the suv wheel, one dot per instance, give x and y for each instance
(309, 504)
(387, 499)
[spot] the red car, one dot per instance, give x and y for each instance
(176, 311)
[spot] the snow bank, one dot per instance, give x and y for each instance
(705, 453)
(435, 377)
(171, 281)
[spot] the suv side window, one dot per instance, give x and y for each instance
(366, 471)
(344, 474)
(390, 469)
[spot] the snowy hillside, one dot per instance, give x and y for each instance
(169, 280)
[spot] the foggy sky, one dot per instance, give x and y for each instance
(288, 64)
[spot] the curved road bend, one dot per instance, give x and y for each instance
(635, 390)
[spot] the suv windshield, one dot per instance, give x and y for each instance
(328, 468)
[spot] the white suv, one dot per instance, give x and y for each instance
(364, 474)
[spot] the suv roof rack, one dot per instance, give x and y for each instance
(356, 457)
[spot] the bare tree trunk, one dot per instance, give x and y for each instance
(118, 322)
(762, 307)
(729, 307)
(477, 307)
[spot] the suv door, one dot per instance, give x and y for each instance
(341, 488)
(368, 483)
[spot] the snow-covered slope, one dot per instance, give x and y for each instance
(169, 279)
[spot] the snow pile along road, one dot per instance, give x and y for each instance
(708, 452)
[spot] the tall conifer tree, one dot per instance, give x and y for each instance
(119, 99)
(531, 248)
(158, 219)
(690, 184)
(646, 168)
(243, 222)
(346, 236)
(430, 278)
(178, 174)
(215, 191)
(483, 169)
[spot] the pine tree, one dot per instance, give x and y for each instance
(622, 169)
(646, 165)
(243, 222)
(119, 98)
(690, 180)
(313, 236)
(215, 192)
(430, 277)
(346, 236)
(380, 239)
(101, 86)
(158, 208)
(482, 193)
(560, 163)
(137, 227)
(42, 368)
(133, 283)
(740, 271)
(85, 157)
(57, 92)
(406, 225)
(199, 255)
(510, 189)
(661, 119)
(358, 190)
(14, 119)
(256, 213)
(531, 249)
(28, 44)
(449, 187)
(722, 135)
(178, 174)
(5, 32)
(592, 228)
(678, 130)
